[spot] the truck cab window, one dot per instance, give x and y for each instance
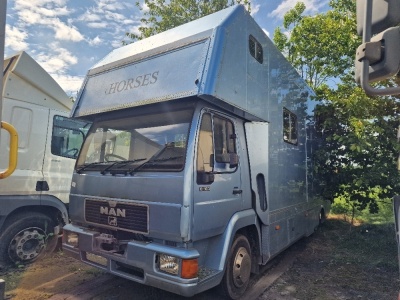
(224, 139)
(289, 127)
(67, 136)
(216, 145)
(152, 142)
(205, 146)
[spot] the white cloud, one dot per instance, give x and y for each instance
(89, 16)
(312, 6)
(51, 29)
(255, 8)
(110, 5)
(96, 41)
(44, 8)
(97, 25)
(46, 13)
(116, 44)
(145, 7)
(70, 84)
(65, 32)
(58, 61)
(15, 38)
(134, 29)
(116, 17)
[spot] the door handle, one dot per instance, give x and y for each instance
(237, 191)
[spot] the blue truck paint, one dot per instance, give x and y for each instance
(206, 143)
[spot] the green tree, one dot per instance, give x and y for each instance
(166, 14)
(320, 47)
(358, 153)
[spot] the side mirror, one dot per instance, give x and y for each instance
(228, 158)
(382, 54)
(233, 160)
(205, 177)
(385, 13)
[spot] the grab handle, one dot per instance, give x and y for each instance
(12, 161)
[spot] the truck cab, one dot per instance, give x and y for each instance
(34, 198)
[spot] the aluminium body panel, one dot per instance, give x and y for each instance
(211, 64)
(144, 82)
(27, 81)
(149, 189)
(258, 160)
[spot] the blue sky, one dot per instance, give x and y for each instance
(67, 37)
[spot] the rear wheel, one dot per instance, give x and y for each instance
(27, 238)
(238, 268)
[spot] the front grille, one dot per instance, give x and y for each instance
(117, 215)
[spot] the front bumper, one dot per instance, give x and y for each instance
(139, 262)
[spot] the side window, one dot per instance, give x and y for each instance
(289, 127)
(224, 139)
(216, 145)
(67, 136)
(256, 49)
(205, 147)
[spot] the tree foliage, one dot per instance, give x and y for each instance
(166, 14)
(359, 150)
(320, 47)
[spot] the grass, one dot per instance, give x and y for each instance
(373, 245)
(343, 261)
(363, 258)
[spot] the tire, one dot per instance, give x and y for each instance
(26, 238)
(238, 268)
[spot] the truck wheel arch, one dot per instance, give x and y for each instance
(244, 223)
(47, 204)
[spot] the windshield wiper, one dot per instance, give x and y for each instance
(152, 161)
(165, 159)
(83, 167)
(118, 163)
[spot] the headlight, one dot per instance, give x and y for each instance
(169, 264)
(71, 239)
(186, 268)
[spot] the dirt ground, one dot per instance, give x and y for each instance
(339, 263)
(334, 263)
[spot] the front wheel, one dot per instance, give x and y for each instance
(238, 268)
(26, 238)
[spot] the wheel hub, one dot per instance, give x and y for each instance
(241, 267)
(27, 244)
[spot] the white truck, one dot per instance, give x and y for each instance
(33, 200)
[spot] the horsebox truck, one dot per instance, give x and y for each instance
(33, 200)
(197, 169)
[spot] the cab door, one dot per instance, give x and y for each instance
(64, 140)
(217, 182)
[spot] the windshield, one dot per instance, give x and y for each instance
(151, 142)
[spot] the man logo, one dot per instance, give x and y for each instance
(111, 211)
(112, 221)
